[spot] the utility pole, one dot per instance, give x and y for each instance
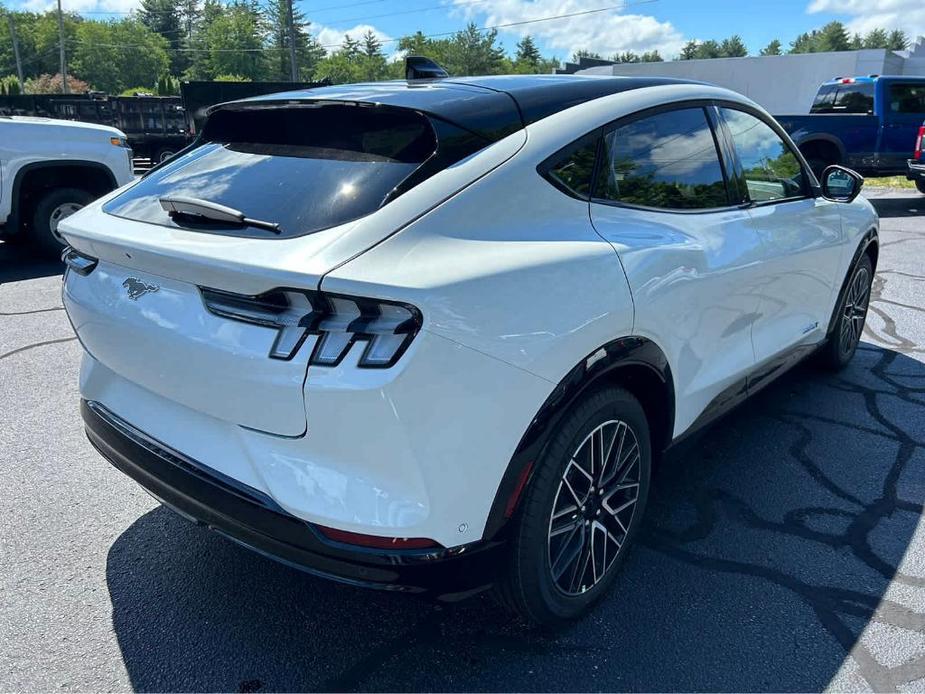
(22, 84)
(61, 47)
(293, 66)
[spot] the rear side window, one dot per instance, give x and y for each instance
(770, 168)
(907, 98)
(667, 160)
(304, 168)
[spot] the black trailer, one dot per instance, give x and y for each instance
(155, 126)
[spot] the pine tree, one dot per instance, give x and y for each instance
(897, 40)
(164, 17)
(772, 48)
(833, 37)
(733, 47)
(527, 54)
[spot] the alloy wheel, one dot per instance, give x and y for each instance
(594, 507)
(855, 311)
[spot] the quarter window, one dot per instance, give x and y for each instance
(770, 168)
(667, 160)
(572, 168)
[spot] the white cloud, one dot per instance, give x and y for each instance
(603, 32)
(908, 15)
(331, 38)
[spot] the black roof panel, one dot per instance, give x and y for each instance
(493, 106)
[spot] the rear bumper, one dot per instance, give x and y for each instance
(916, 170)
(252, 519)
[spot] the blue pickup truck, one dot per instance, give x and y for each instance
(869, 124)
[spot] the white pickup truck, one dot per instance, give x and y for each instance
(50, 169)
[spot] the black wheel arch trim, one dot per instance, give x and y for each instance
(871, 238)
(14, 222)
(600, 364)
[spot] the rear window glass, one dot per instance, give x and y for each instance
(845, 98)
(303, 168)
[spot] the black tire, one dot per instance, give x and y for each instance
(920, 185)
(53, 206)
(849, 322)
(163, 155)
(528, 585)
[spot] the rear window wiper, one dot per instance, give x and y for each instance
(205, 210)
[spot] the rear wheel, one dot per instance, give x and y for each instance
(52, 207)
(920, 185)
(582, 510)
(852, 312)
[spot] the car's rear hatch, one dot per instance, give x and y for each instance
(316, 183)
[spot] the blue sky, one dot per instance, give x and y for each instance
(635, 25)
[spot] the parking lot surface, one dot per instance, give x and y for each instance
(784, 549)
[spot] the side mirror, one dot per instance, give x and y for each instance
(841, 184)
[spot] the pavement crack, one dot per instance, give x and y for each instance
(37, 344)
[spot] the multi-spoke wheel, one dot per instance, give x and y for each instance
(594, 507)
(581, 509)
(852, 313)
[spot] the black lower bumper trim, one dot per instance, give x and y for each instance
(255, 521)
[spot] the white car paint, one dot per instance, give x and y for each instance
(517, 283)
(25, 141)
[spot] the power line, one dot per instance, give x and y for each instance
(505, 25)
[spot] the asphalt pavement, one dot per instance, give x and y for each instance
(783, 549)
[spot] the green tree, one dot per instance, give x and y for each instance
(733, 47)
(527, 57)
(579, 54)
(689, 52)
(475, 52)
(626, 57)
(834, 37)
(164, 17)
(115, 55)
(876, 38)
(651, 57)
(897, 40)
(772, 48)
(308, 51)
(373, 65)
(234, 42)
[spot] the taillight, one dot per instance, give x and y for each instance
(377, 541)
(387, 327)
(919, 141)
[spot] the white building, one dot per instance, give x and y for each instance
(783, 84)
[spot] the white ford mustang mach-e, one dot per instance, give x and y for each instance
(430, 335)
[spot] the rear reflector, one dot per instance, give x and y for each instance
(376, 541)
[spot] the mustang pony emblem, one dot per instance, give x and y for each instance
(136, 288)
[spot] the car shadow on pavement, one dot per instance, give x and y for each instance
(769, 546)
(18, 262)
(909, 204)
